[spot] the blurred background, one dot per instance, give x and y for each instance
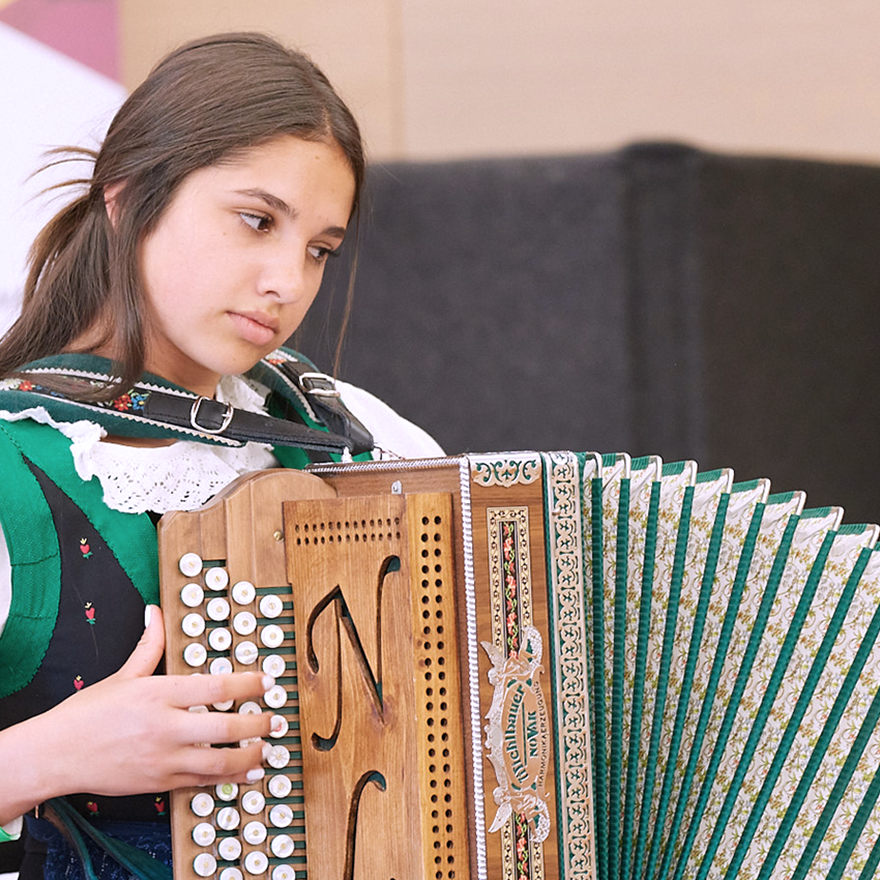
(591, 225)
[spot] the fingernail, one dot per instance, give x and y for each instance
(256, 774)
(148, 613)
(268, 682)
(267, 750)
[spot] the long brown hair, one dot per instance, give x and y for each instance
(206, 102)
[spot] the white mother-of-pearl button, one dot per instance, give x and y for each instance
(256, 862)
(272, 635)
(280, 786)
(246, 653)
(280, 726)
(281, 845)
(244, 623)
(252, 802)
(254, 833)
(216, 578)
(220, 638)
(275, 697)
(204, 834)
(274, 665)
(229, 849)
(278, 757)
(193, 624)
(202, 804)
(282, 872)
(204, 864)
(190, 564)
(271, 606)
(220, 666)
(195, 654)
(244, 593)
(231, 874)
(217, 608)
(226, 791)
(192, 595)
(228, 818)
(249, 707)
(281, 815)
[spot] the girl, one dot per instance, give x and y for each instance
(135, 382)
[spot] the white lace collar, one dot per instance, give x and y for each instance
(181, 476)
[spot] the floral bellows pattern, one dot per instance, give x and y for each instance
(734, 715)
(568, 480)
(728, 641)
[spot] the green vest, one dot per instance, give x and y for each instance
(33, 544)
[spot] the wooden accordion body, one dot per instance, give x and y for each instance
(524, 666)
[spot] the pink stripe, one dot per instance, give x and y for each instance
(86, 30)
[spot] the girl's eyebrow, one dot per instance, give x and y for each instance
(279, 205)
(272, 201)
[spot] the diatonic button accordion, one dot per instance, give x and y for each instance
(524, 666)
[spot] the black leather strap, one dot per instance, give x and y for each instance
(223, 420)
(321, 393)
(156, 408)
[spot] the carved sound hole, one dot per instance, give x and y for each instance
(435, 694)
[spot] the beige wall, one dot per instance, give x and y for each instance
(453, 78)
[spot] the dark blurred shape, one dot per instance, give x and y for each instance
(656, 299)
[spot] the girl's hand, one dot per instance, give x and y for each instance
(134, 733)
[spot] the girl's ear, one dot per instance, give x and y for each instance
(110, 194)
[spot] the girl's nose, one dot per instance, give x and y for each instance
(284, 278)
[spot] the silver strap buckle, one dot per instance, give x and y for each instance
(194, 417)
(318, 384)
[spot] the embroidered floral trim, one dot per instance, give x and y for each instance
(131, 402)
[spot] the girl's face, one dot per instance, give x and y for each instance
(237, 257)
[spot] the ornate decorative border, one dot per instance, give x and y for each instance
(568, 633)
(510, 575)
(514, 468)
(523, 822)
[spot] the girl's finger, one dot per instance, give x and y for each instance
(226, 727)
(209, 766)
(206, 690)
(148, 652)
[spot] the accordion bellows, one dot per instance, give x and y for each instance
(528, 666)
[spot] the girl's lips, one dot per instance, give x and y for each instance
(255, 328)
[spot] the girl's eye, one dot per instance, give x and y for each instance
(320, 254)
(257, 222)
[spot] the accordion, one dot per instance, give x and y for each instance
(528, 666)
